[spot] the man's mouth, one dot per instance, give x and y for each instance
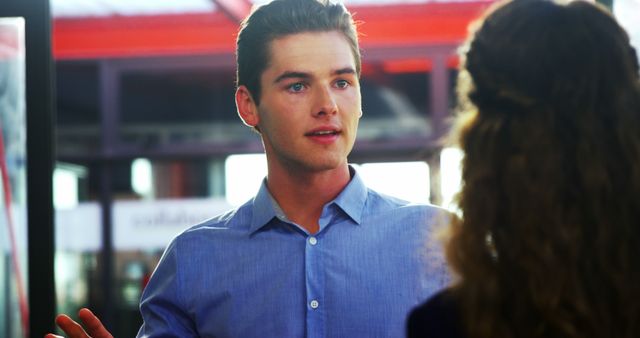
(323, 133)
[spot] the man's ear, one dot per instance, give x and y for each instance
(247, 109)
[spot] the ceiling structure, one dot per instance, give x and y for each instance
(98, 8)
(202, 29)
(401, 41)
(191, 23)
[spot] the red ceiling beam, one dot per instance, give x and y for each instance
(214, 33)
(138, 36)
(417, 24)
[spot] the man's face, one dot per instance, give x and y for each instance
(310, 101)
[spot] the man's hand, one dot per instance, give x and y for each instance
(94, 328)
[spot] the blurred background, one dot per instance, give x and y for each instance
(139, 121)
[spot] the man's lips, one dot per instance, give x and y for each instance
(323, 132)
(324, 135)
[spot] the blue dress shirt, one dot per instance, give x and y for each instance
(253, 273)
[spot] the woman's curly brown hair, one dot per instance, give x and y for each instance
(548, 243)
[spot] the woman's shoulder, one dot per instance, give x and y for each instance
(438, 317)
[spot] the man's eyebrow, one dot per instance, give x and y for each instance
(303, 75)
(291, 75)
(345, 70)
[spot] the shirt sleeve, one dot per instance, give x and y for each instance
(163, 312)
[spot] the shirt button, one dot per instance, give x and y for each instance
(313, 240)
(314, 304)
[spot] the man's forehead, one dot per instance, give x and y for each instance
(303, 47)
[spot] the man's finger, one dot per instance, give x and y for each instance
(70, 327)
(93, 325)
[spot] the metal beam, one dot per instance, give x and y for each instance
(236, 10)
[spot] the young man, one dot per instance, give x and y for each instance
(315, 253)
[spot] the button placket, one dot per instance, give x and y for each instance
(315, 287)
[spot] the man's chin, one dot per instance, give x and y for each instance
(323, 164)
(329, 165)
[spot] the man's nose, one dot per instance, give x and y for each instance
(325, 102)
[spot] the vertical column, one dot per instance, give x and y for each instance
(439, 94)
(110, 108)
(40, 160)
(109, 103)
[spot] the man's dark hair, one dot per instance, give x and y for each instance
(284, 17)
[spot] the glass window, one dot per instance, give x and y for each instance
(13, 208)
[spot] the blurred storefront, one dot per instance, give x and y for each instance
(146, 124)
(155, 84)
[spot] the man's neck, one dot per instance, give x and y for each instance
(302, 195)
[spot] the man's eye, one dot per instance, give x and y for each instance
(296, 87)
(342, 83)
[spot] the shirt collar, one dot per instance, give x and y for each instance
(263, 208)
(351, 200)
